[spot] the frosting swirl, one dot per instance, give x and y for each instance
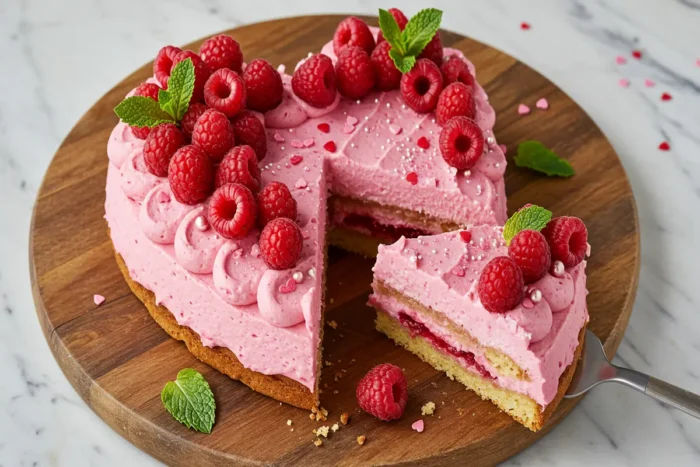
(160, 214)
(196, 249)
(237, 272)
(136, 180)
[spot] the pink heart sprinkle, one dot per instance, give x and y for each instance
(305, 234)
(458, 271)
(542, 104)
(255, 251)
(504, 148)
(523, 109)
(620, 60)
(237, 253)
(301, 183)
(418, 425)
(650, 83)
(296, 143)
(624, 82)
(289, 287)
(351, 120)
(163, 197)
(697, 62)
(347, 129)
(99, 299)
(395, 129)
(308, 142)
(277, 137)
(527, 304)
(296, 159)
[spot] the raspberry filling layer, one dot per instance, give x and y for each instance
(419, 329)
(379, 230)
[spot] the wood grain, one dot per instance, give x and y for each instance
(118, 359)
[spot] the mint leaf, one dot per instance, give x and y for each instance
(141, 112)
(176, 98)
(534, 155)
(420, 30)
(530, 217)
(390, 30)
(403, 64)
(190, 400)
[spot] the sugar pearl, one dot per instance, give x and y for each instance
(298, 277)
(201, 223)
(558, 268)
(535, 295)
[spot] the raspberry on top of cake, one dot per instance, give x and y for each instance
(501, 309)
(220, 174)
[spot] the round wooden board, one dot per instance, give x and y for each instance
(118, 359)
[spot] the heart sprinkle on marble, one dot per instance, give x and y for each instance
(330, 146)
(163, 197)
(664, 146)
(637, 54)
(525, 26)
(309, 142)
(301, 183)
(624, 83)
(412, 178)
(99, 299)
(649, 83)
(296, 144)
(395, 129)
(296, 159)
(277, 137)
(666, 97)
(523, 109)
(324, 127)
(542, 104)
(289, 287)
(347, 129)
(418, 425)
(620, 60)
(351, 120)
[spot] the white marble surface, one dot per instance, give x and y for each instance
(59, 57)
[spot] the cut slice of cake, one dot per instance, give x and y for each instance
(522, 354)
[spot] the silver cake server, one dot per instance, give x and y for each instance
(595, 368)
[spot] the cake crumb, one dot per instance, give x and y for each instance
(333, 324)
(289, 423)
(291, 429)
(428, 408)
(335, 427)
(318, 442)
(361, 439)
(321, 431)
(460, 411)
(344, 418)
(335, 391)
(433, 384)
(332, 300)
(327, 363)
(312, 416)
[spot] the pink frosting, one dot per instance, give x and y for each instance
(442, 272)
(221, 288)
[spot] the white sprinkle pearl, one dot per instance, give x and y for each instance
(535, 295)
(312, 272)
(558, 268)
(413, 259)
(201, 223)
(298, 277)
(490, 140)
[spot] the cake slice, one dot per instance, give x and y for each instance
(522, 354)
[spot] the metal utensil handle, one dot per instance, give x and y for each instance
(674, 396)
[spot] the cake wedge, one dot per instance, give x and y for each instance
(432, 297)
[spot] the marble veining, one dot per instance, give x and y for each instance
(573, 42)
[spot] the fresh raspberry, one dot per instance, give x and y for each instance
(225, 92)
(353, 31)
(191, 175)
(275, 200)
(354, 72)
(455, 100)
(240, 165)
(149, 90)
(433, 51)
(568, 239)
(201, 73)
(232, 210)
(501, 285)
(160, 146)
(189, 120)
(263, 85)
(461, 142)
(248, 129)
(455, 69)
(281, 243)
(314, 81)
(214, 134)
(421, 87)
(401, 21)
(388, 77)
(164, 63)
(221, 51)
(383, 392)
(530, 252)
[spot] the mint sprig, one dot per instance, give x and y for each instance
(530, 217)
(534, 155)
(172, 103)
(190, 401)
(406, 45)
